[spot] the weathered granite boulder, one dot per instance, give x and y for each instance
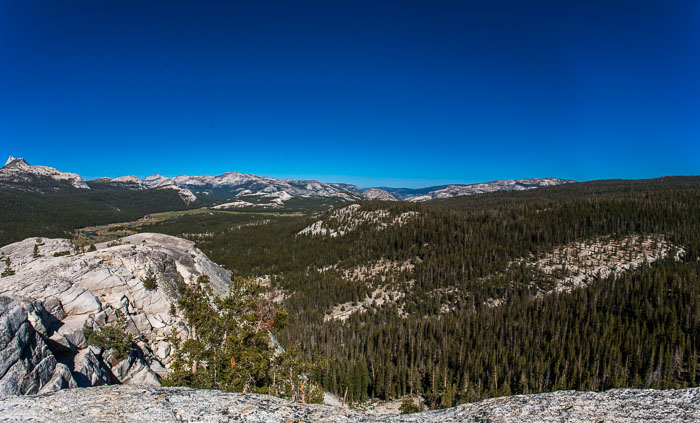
(63, 289)
(26, 363)
(89, 369)
(62, 379)
(131, 403)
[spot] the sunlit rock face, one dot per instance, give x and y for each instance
(61, 290)
(17, 173)
(27, 365)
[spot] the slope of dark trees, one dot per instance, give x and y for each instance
(55, 214)
(641, 329)
(439, 335)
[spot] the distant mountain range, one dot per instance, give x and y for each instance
(18, 174)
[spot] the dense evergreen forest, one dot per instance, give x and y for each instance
(441, 299)
(26, 214)
(462, 322)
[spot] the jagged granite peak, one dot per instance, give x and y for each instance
(88, 288)
(17, 162)
(129, 403)
(17, 173)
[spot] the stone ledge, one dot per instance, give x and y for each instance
(131, 403)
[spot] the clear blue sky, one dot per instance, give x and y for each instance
(404, 93)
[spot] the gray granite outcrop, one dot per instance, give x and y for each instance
(131, 403)
(58, 290)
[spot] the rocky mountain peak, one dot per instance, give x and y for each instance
(17, 173)
(17, 162)
(160, 181)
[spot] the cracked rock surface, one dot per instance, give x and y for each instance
(26, 363)
(131, 403)
(58, 290)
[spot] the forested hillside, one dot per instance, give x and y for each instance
(24, 214)
(584, 286)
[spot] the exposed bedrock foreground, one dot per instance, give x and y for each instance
(133, 403)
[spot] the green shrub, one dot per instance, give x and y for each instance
(149, 282)
(409, 406)
(8, 270)
(232, 349)
(112, 337)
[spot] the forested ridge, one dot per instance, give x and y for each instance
(439, 334)
(442, 299)
(638, 330)
(55, 214)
